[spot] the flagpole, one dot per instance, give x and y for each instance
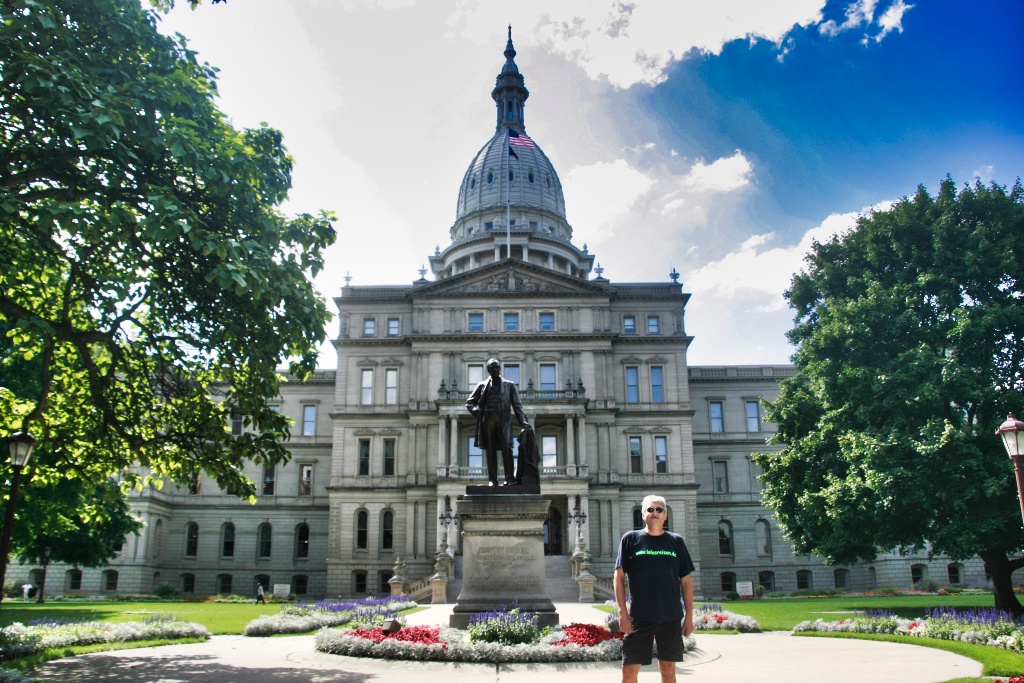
(508, 200)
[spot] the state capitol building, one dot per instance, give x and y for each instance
(382, 445)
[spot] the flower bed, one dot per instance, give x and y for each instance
(713, 618)
(18, 640)
(367, 612)
(979, 626)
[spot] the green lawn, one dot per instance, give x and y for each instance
(783, 614)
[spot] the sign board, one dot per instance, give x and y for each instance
(281, 590)
(745, 588)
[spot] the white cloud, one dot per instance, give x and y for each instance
(892, 19)
(721, 175)
(859, 13)
(601, 192)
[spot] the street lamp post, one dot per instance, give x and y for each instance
(1012, 433)
(447, 518)
(579, 518)
(19, 445)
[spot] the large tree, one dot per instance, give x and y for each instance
(144, 263)
(909, 332)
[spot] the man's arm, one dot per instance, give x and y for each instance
(686, 587)
(473, 403)
(517, 407)
(625, 624)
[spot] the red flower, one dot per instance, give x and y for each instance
(423, 635)
(586, 635)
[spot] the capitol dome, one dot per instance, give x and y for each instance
(510, 201)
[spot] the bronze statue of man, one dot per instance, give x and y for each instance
(493, 402)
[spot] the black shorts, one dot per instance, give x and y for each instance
(636, 647)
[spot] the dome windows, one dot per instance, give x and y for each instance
(472, 183)
(511, 175)
(490, 177)
(529, 176)
(547, 179)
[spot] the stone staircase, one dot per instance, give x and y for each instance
(562, 587)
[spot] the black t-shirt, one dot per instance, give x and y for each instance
(654, 565)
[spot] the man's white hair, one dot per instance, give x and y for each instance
(653, 499)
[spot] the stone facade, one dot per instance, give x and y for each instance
(381, 445)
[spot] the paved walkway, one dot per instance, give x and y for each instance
(774, 657)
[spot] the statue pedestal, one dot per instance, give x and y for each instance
(503, 556)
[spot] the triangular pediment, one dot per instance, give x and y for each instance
(510, 277)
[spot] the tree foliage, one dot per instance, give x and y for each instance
(910, 341)
(144, 265)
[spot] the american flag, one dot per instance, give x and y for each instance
(519, 139)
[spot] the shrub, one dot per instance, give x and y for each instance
(732, 595)
(505, 626)
(165, 590)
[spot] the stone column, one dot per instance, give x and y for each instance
(442, 445)
(453, 444)
(582, 439)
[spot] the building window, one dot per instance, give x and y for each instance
(548, 380)
(766, 580)
(369, 327)
(546, 322)
(269, 476)
(227, 541)
(359, 582)
(661, 454)
(657, 385)
(300, 584)
(728, 582)
(366, 388)
(306, 479)
(511, 373)
(308, 420)
(476, 322)
(389, 457)
(188, 583)
(549, 451)
(236, 424)
(721, 475)
(804, 580)
(191, 539)
(632, 384)
(489, 225)
(263, 536)
(842, 578)
(954, 574)
(653, 324)
(196, 484)
(474, 458)
(872, 579)
(724, 538)
(762, 538)
(364, 458)
(302, 541)
(391, 386)
(224, 584)
(74, 579)
(394, 327)
(917, 573)
(361, 530)
(387, 530)
(638, 519)
(628, 324)
(474, 375)
(636, 455)
(110, 580)
(716, 416)
(511, 322)
(753, 416)
(384, 577)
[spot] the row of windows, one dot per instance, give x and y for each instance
(511, 174)
(264, 540)
(387, 530)
(762, 538)
(308, 423)
(840, 578)
(305, 488)
(752, 414)
(636, 454)
(390, 386)
(226, 583)
(360, 586)
(629, 324)
(393, 327)
(363, 458)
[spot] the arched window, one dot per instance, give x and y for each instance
(302, 541)
(263, 580)
(872, 578)
(842, 578)
(110, 580)
(158, 537)
(804, 580)
(918, 573)
(300, 584)
(362, 522)
(227, 540)
(188, 583)
(766, 580)
(263, 536)
(763, 538)
(955, 572)
(490, 179)
(224, 584)
(359, 581)
(73, 579)
(728, 582)
(191, 539)
(387, 530)
(638, 519)
(725, 538)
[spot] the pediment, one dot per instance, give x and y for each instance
(508, 278)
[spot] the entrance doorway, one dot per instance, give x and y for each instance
(553, 532)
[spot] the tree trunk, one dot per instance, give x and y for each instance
(1001, 567)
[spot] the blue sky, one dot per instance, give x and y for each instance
(717, 138)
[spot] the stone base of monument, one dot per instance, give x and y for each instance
(503, 556)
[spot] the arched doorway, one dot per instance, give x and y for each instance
(553, 532)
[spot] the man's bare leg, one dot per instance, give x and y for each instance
(668, 671)
(630, 672)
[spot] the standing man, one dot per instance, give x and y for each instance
(259, 594)
(658, 566)
(492, 403)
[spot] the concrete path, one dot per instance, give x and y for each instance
(774, 657)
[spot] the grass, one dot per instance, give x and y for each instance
(996, 661)
(32, 661)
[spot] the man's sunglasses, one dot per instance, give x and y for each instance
(658, 510)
